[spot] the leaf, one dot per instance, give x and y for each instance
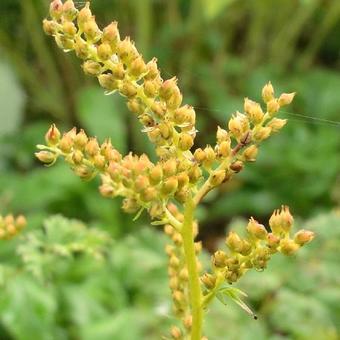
(235, 295)
(100, 115)
(12, 99)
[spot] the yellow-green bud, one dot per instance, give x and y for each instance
(81, 48)
(104, 51)
(219, 259)
(118, 71)
(84, 16)
(199, 155)
(222, 135)
(91, 30)
(138, 67)
(156, 174)
(80, 140)
(111, 34)
(176, 333)
(273, 106)
(149, 194)
(152, 70)
(66, 143)
(208, 280)
(262, 133)
(168, 88)
(69, 11)
(224, 149)
(170, 185)
(77, 156)
(128, 89)
(250, 153)
(69, 29)
(183, 179)
(52, 136)
(303, 236)
(108, 82)
(234, 242)
(256, 229)
(99, 161)
(56, 8)
(170, 167)
(141, 183)
(49, 27)
(46, 157)
(286, 98)
(217, 177)
(92, 147)
(277, 124)
(185, 141)
(253, 110)
(288, 247)
(92, 68)
(268, 92)
(237, 166)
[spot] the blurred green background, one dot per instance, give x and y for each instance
(221, 51)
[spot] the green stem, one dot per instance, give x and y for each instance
(195, 291)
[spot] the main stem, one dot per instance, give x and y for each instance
(194, 282)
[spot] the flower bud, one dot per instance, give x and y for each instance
(262, 134)
(234, 242)
(273, 241)
(99, 161)
(224, 149)
(104, 51)
(250, 153)
(288, 247)
(50, 27)
(237, 166)
(138, 67)
(287, 219)
(217, 177)
(170, 167)
(77, 157)
(84, 16)
(126, 50)
(210, 156)
(66, 143)
(111, 34)
(141, 183)
(69, 29)
(168, 88)
(273, 106)
(152, 70)
(64, 42)
(81, 48)
(52, 136)
(130, 205)
(165, 130)
(149, 194)
(303, 236)
(235, 127)
(184, 274)
(246, 248)
(194, 174)
(208, 280)
(108, 82)
(277, 124)
(92, 147)
(286, 98)
(156, 174)
(268, 92)
(176, 333)
(184, 115)
(199, 155)
(56, 9)
(69, 11)
(187, 322)
(256, 229)
(254, 111)
(183, 179)
(20, 222)
(91, 30)
(219, 259)
(169, 186)
(128, 89)
(222, 135)
(80, 140)
(106, 190)
(92, 68)
(185, 141)
(175, 101)
(46, 157)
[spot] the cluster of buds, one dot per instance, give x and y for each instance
(178, 273)
(255, 250)
(11, 226)
(120, 67)
(142, 183)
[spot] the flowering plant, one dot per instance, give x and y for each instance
(170, 189)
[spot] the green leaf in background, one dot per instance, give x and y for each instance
(102, 116)
(213, 8)
(12, 100)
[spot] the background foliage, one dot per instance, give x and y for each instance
(221, 51)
